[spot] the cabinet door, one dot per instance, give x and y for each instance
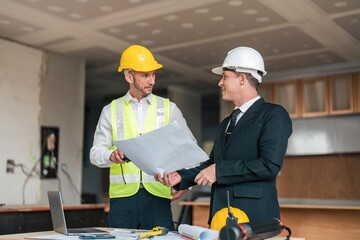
(357, 92)
(287, 95)
(341, 94)
(315, 97)
(266, 91)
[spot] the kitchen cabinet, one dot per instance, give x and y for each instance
(266, 91)
(287, 94)
(356, 85)
(315, 97)
(341, 99)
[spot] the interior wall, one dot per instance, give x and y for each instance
(39, 89)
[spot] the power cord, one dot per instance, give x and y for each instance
(64, 170)
(28, 175)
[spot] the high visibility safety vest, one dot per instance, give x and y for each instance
(125, 178)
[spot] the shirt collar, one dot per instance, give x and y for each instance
(129, 98)
(243, 108)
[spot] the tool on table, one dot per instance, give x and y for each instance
(156, 231)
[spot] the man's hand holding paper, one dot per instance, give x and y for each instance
(166, 149)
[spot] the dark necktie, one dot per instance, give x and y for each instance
(234, 114)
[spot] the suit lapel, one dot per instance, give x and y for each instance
(248, 116)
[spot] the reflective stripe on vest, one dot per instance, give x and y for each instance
(124, 126)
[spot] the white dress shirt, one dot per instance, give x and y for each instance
(100, 153)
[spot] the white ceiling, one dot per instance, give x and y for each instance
(189, 37)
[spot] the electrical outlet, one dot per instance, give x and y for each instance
(10, 166)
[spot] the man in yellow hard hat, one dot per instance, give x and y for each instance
(136, 199)
(249, 145)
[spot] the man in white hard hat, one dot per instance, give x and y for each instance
(249, 145)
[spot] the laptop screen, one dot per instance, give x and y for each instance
(57, 212)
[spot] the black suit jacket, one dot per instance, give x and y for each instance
(247, 166)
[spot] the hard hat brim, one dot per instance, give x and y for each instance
(218, 70)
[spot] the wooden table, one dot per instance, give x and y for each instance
(311, 219)
(34, 218)
(21, 236)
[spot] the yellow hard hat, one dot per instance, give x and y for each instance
(219, 219)
(138, 58)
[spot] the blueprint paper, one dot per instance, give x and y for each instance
(166, 149)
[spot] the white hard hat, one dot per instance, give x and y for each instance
(243, 59)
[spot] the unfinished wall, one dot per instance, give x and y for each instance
(36, 89)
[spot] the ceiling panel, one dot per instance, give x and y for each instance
(213, 53)
(351, 24)
(79, 10)
(336, 6)
(188, 37)
(199, 23)
(303, 61)
(11, 27)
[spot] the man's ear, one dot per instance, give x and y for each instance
(129, 78)
(242, 78)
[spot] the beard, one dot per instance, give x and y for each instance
(145, 91)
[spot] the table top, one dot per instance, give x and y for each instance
(38, 235)
(294, 203)
(44, 207)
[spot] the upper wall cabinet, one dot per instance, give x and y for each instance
(315, 97)
(266, 91)
(287, 94)
(341, 94)
(356, 92)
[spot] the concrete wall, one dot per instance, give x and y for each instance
(39, 89)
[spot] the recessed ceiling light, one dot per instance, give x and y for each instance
(321, 56)
(147, 42)
(263, 19)
(142, 24)
(235, 3)
(187, 25)
(76, 16)
(4, 22)
(27, 29)
(132, 37)
(250, 11)
(171, 17)
(56, 9)
(106, 8)
(354, 20)
(114, 30)
(287, 34)
(202, 10)
(156, 31)
(217, 18)
(340, 4)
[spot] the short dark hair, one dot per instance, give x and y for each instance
(252, 80)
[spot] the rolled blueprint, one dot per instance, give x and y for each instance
(196, 232)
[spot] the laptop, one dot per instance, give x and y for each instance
(58, 217)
